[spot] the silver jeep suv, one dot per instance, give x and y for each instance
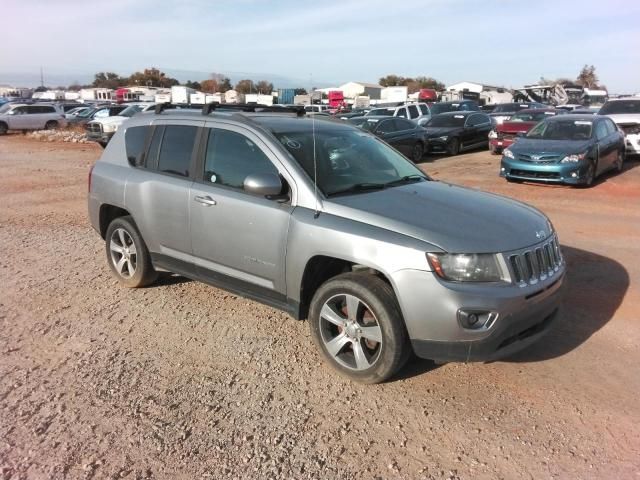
(330, 224)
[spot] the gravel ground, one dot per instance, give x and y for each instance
(185, 381)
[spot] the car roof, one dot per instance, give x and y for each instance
(378, 117)
(460, 112)
(572, 118)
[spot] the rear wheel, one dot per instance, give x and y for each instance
(50, 125)
(356, 323)
(418, 152)
(453, 147)
(127, 254)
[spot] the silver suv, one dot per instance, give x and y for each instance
(419, 113)
(329, 223)
(19, 116)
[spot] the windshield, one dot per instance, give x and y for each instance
(130, 111)
(437, 108)
(382, 111)
(530, 116)
(620, 106)
(347, 159)
(562, 130)
(446, 121)
(368, 124)
(5, 108)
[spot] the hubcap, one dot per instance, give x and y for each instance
(123, 253)
(350, 332)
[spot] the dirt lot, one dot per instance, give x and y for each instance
(184, 381)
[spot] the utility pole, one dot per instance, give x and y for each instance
(41, 77)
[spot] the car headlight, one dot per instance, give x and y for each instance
(109, 127)
(508, 153)
(483, 267)
(493, 134)
(443, 138)
(574, 158)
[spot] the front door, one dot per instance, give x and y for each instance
(238, 237)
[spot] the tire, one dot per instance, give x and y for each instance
(591, 174)
(619, 165)
(50, 125)
(370, 357)
(453, 147)
(131, 265)
(4, 128)
(417, 153)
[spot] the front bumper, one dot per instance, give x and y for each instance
(437, 144)
(632, 142)
(571, 173)
(523, 315)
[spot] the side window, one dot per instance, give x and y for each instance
(386, 126)
(402, 112)
(413, 111)
(601, 130)
(402, 124)
(135, 139)
(33, 109)
(102, 113)
(20, 110)
(611, 126)
(175, 152)
(47, 109)
(424, 109)
(231, 157)
(471, 121)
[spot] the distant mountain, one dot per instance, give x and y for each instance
(32, 79)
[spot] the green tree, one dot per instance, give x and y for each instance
(152, 77)
(392, 80)
(429, 82)
(300, 91)
(587, 77)
(194, 85)
(108, 80)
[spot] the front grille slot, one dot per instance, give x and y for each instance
(532, 266)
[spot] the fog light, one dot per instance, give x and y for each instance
(476, 319)
(502, 169)
(574, 174)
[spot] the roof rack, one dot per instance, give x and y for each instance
(252, 107)
(161, 107)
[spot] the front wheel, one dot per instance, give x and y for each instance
(418, 152)
(453, 147)
(356, 323)
(590, 175)
(619, 165)
(127, 254)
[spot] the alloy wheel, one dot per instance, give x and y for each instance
(350, 332)
(123, 253)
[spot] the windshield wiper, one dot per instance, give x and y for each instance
(359, 187)
(406, 179)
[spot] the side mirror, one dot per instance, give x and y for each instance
(263, 184)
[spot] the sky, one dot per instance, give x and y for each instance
(323, 43)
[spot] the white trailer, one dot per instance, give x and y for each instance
(103, 94)
(258, 98)
(180, 94)
(162, 98)
(394, 94)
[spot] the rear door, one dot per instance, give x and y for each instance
(606, 147)
(238, 238)
(19, 119)
(159, 198)
(387, 131)
(405, 136)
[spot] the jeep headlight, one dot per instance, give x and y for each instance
(576, 157)
(109, 127)
(493, 134)
(444, 138)
(508, 153)
(456, 267)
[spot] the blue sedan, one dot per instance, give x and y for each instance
(571, 149)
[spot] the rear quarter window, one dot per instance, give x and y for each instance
(135, 139)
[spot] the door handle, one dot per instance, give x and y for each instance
(207, 201)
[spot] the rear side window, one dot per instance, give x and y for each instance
(47, 109)
(402, 112)
(601, 131)
(611, 126)
(231, 157)
(413, 111)
(402, 124)
(386, 126)
(135, 139)
(424, 109)
(176, 149)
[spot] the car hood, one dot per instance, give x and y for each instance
(115, 120)
(625, 118)
(452, 218)
(541, 146)
(434, 132)
(515, 127)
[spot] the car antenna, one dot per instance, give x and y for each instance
(315, 163)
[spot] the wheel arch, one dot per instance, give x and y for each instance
(108, 213)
